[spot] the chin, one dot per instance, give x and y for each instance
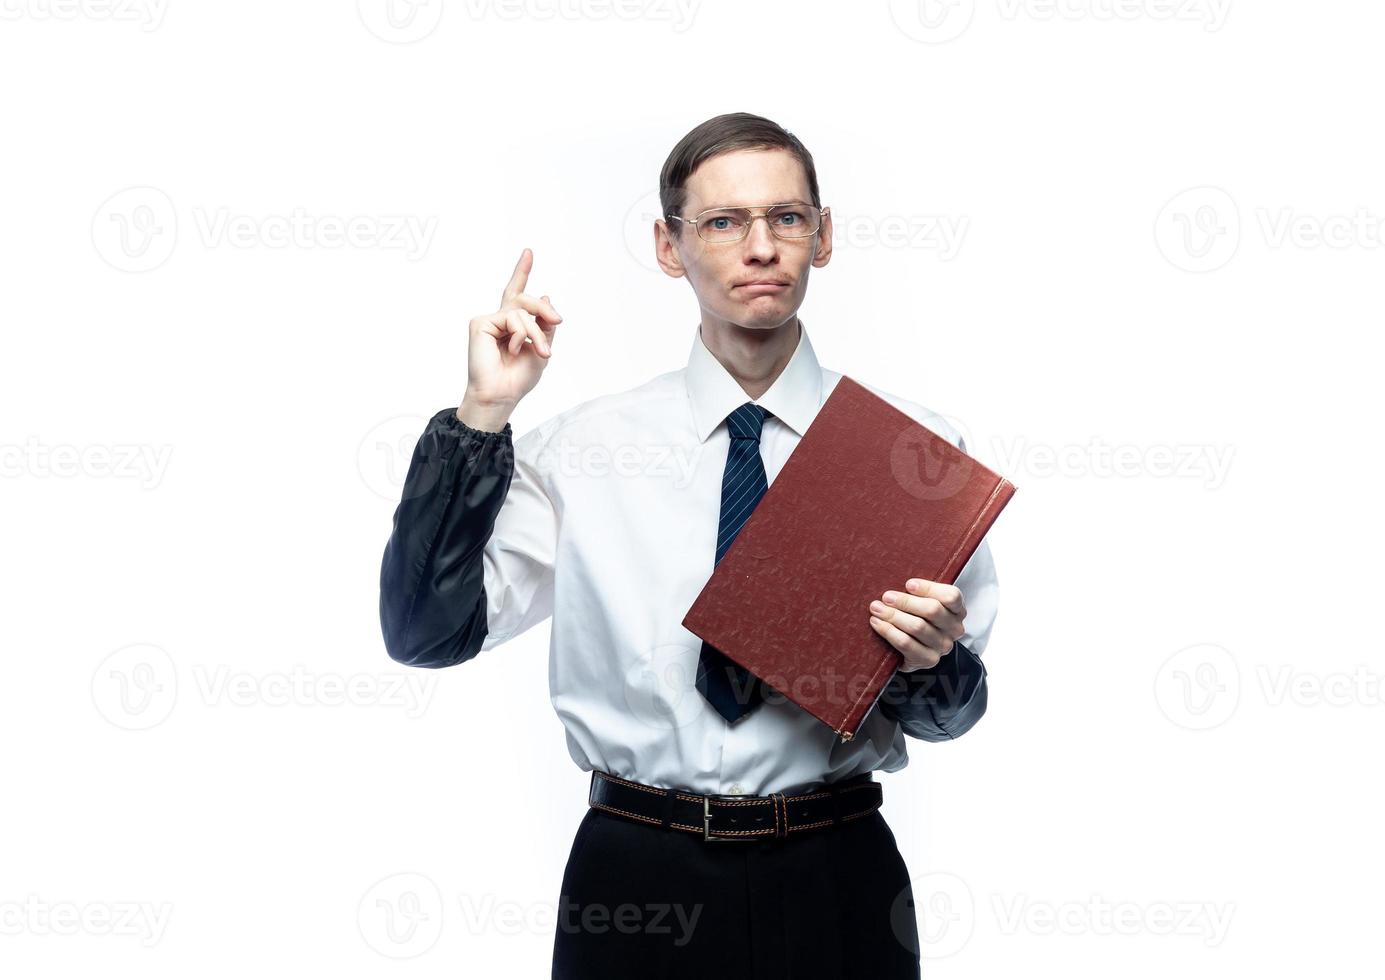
(763, 316)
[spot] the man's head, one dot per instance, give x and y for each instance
(739, 160)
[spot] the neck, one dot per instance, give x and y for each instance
(753, 357)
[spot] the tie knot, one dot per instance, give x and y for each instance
(746, 421)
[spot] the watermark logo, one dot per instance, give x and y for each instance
(400, 917)
(1199, 230)
(933, 21)
(946, 913)
(1198, 687)
(400, 21)
(135, 230)
(660, 688)
(135, 687)
(923, 467)
(637, 228)
(385, 452)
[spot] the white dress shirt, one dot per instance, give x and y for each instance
(610, 527)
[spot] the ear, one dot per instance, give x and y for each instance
(666, 250)
(823, 253)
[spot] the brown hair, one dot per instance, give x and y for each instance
(723, 134)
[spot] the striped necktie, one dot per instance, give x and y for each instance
(729, 687)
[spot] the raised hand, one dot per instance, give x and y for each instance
(507, 351)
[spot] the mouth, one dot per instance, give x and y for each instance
(762, 287)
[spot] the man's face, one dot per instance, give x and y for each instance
(758, 282)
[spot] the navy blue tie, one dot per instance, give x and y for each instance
(728, 686)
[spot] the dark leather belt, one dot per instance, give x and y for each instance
(720, 817)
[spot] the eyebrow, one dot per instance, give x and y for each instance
(794, 200)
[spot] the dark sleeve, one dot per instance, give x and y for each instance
(432, 596)
(940, 702)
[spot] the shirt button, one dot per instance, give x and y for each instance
(735, 789)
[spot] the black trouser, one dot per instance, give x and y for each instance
(639, 901)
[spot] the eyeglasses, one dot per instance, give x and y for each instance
(720, 225)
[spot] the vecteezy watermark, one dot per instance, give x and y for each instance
(672, 919)
(35, 916)
(136, 688)
(1098, 459)
(944, 234)
(932, 21)
(1280, 684)
(384, 454)
(1100, 916)
(148, 14)
(637, 228)
(948, 915)
(401, 916)
(923, 467)
(679, 14)
(939, 21)
(406, 21)
(1198, 687)
(660, 687)
(121, 461)
(218, 684)
(1201, 229)
(671, 463)
(400, 21)
(136, 230)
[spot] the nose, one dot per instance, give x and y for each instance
(760, 242)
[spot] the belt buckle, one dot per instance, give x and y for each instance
(707, 816)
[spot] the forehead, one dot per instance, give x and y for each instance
(747, 178)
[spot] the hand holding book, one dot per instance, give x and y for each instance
(922, 622)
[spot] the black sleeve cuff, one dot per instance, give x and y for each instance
(941, 702)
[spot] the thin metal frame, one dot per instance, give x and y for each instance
(766, 209)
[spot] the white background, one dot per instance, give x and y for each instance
(1152, 310)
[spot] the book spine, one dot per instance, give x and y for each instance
(985, 517)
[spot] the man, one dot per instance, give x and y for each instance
(729, 832)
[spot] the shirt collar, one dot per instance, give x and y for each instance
(794, 397)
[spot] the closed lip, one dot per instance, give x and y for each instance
(763, 282)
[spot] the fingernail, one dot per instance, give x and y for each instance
(890, 597)
(877, 607)
(914, 583)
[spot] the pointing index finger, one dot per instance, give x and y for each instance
(519, 278)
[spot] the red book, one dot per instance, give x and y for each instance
(868, 499)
